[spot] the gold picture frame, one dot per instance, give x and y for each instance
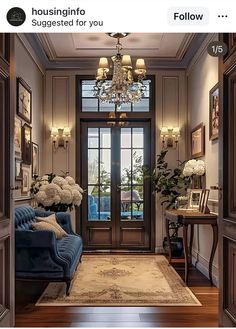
(17, 138)
(26, 144)
(35, 159)
(194, 198)
(26, 179)
(198, 141)
(24, 100)
(214, 113)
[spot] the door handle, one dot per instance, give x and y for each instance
(216, 187)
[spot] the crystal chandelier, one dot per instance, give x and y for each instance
(126, 86)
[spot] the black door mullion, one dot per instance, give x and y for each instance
(115, 160)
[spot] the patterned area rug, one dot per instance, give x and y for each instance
(117, 280)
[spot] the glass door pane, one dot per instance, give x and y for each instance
(131, 172)
(99, 174)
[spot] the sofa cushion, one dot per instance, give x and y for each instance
(44, 226)
(52, 220)
(69, 246)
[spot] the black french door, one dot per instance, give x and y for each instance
(117, 204)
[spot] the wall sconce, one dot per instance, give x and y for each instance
(60, 137)
(170, 136)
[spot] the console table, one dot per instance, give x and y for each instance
(186, 218)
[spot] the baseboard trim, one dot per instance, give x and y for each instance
(159, 250)
(204, 269)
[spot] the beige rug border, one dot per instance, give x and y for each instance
(198, 303)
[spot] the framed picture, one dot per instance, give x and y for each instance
(214, 113)
(26, 144)
(198, 141)
(203, 201)
(35, 159)
(194, 198)
(24, 100)
(18, 171)
(26, 178)
(17, 137)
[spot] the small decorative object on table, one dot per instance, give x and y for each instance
(182, 201)
(195, 196)
(203, 202)
(56, 193)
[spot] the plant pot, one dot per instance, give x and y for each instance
(176, 246)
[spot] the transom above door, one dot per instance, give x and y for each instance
(116, 212)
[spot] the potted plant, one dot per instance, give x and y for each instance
(170, 184)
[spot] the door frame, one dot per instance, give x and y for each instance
(115, 227)
(100, 116)
(227, 219)
(7, 227)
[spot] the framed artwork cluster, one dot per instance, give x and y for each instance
(26, 151)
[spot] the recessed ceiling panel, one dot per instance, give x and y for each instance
(67, 46)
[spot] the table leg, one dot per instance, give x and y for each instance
(185, 241)
(168, 239)
(191, 243)
(213, 250)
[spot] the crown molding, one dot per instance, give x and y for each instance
(44, 50)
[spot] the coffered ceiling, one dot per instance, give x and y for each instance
(69, 46)
(82, 50)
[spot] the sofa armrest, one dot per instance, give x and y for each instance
(39, 248)
(64, 219)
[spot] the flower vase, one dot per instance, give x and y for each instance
(197, 182)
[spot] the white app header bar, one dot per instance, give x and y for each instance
(118, 15)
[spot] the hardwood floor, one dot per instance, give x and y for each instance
(27, 315)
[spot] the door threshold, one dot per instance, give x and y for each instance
(117, 251)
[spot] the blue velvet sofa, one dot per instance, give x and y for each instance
(39, 255)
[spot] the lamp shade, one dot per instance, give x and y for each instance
(54, 132)
(126, 61)
(164, 131)
(140, 64)
(176, 132)
(103, 63)
(66, 132)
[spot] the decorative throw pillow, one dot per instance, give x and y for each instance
(44, 226)
(52, 220)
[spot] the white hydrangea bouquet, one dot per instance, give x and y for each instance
(195, 169)
(56, 193)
